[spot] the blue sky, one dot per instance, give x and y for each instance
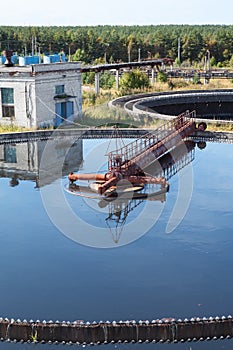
(118, 12)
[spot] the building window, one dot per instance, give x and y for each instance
(7, 95)
(10, 154)
(59, 89)
(8, 110)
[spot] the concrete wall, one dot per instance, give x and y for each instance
(21, 92)
(47, 77)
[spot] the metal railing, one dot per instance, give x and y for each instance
(146, 142)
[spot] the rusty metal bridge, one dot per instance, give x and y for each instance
(144, 150)
(130, 161)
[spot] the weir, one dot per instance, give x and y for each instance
(85, 333)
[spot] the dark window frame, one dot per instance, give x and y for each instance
(59, 89)
(8, 108)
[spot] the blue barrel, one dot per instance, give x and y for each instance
(15, 59)
(54, 58)
(28, 60)
(22, 61)
(46, 59)
(63, 57)
(35, 59)
(2, 59)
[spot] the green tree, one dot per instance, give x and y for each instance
(231, 62)
(88, 78)
(162, 77)
(79, 55)
(135, 79)
(107, 80)
(121, 43)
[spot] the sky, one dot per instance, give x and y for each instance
(118, 12)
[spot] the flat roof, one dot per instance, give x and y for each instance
(40, 67)
(15, 69)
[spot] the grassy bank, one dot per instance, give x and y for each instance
(220, 127)
(11, 128)
(96, 111)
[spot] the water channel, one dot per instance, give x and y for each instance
(71, 257)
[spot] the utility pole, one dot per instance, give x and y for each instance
(32, 46)
(208, 59)
(129, 58)
(179, 50)
(69, 55)
(35, 46)
(139, 54)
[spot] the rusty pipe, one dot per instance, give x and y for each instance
(146, 180)
(95, 177)
(111, 182)
(109, 176)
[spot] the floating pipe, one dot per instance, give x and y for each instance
(111, 179)
(88, 177)
(108, 176)
(109, 183)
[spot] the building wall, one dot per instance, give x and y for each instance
(47, 77)
(35, 97)
(22, 115)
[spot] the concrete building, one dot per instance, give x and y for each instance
(40, 95)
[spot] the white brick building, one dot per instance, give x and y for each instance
(40, 95)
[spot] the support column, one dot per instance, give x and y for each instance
(117, 79)
(152, 75)
(97, 82)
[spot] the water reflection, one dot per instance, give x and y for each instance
(119, 207)
(46, 276)
(21, 161)
(44, 162)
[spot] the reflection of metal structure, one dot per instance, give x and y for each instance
(120, 208)
(118, 213)
(172, 162)
(121, 205)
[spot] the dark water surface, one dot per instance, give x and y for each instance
(50, 267)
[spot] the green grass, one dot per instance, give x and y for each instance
(96, 112)
(11, 128)
(227, 127)
(103, 116)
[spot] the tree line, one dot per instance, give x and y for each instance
(187, 44)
